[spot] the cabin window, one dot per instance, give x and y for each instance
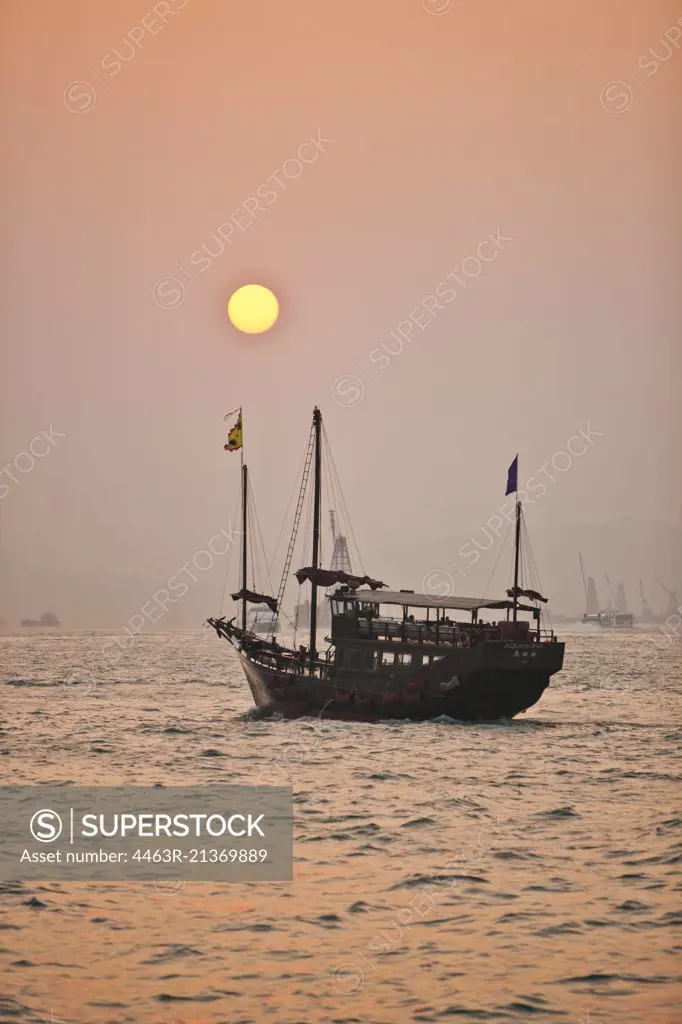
(405, 659)
(426, 659)
(342, 608)
(387, 658)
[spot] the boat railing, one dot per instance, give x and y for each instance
(450, 634)
(294, 664)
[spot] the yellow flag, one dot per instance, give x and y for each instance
(234, 438)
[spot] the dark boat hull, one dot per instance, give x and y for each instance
(493, 681)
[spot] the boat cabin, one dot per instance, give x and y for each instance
(367, 633)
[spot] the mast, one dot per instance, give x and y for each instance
(245, 483)
(317, 425)
(517, 551)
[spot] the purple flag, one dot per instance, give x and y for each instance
(513, 477)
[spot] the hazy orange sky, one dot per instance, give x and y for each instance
(135, 130)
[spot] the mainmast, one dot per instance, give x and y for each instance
(513, 488)
(245, 492)
(517, 551)
(317, 425)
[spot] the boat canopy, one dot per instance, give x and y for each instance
(254, 598)
(328, 577)
(408, 599)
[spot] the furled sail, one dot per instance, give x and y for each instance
(254, 598)
(328, 577)
(531, 594)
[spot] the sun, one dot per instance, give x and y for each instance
(253, 309)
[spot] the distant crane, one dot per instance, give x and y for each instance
(340, 555)
(611, 591)
(340, 561)
(591, 599)
(647, 614)
(673, 602)
(582, 574)
(618, 599)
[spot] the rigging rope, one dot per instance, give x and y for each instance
(251, 538)
(534, 574)
(297, 518)
(294, 489)
(343, 506)
(259, 537)
(497, 560)
(229, 558)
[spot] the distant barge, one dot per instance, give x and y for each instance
(46, 620)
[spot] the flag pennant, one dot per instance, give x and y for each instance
(513, 477)
(235, 439)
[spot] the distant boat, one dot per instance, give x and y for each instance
(611, 619)
(394, 655)
(46, 620)
(616, 616)
(263, 620)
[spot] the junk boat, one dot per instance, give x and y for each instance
(394, 654)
